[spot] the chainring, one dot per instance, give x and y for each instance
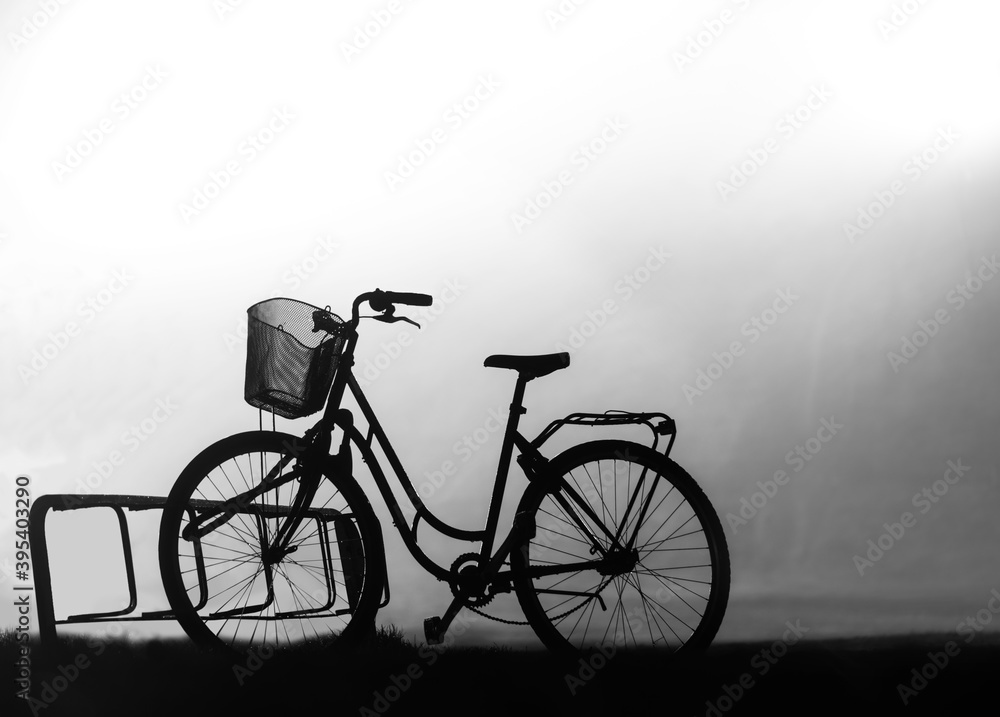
(466, 583)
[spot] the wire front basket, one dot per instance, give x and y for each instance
(289, 367)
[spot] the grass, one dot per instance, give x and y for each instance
(392, 675)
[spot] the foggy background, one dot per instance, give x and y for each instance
(640, 182)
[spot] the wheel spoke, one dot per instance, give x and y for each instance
(306, 594)
(662, 583)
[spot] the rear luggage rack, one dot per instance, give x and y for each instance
(666, 426)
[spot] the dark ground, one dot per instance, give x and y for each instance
(841, 677)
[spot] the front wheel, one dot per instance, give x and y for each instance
(619, 548)
(231, 580)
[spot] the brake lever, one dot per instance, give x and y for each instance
(393, 319)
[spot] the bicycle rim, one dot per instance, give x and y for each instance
(230, 589)
(668, 594)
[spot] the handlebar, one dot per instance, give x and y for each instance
(381, 301)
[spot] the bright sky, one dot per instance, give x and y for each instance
(641, 181)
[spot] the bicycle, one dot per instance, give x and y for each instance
(268, 540)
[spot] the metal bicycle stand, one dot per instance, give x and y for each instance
(40, 557)
(328, 521)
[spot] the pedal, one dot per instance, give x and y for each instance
(432, 631)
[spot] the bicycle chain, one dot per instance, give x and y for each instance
(498, 619)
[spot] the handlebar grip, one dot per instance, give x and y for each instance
(408, 297)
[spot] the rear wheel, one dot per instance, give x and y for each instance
(230, 584)
(621, 549)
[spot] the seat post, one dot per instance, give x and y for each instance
(516, 409)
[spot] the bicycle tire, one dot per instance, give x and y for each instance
(314, 595)
(680, 580)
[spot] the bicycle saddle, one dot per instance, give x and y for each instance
(529, 366)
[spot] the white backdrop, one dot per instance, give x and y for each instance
(774, 220)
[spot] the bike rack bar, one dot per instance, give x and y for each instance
(129, 574)
(40, 556)
(119, 503)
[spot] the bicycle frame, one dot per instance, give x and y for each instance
(530, 459)
(335, 416)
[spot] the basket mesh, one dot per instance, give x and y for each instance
(289, 367)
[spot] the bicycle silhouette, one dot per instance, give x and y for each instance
(267, 539)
